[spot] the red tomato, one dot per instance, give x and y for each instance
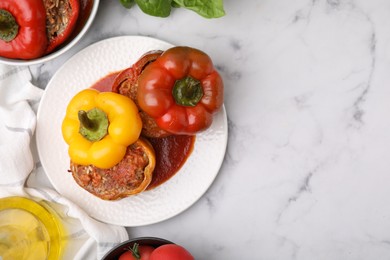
(171, 252)
(138, 252)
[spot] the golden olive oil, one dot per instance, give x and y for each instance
(29, 230)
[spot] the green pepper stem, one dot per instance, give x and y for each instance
(93, 124)
(85, 121)
(8, 26)
(187, 91)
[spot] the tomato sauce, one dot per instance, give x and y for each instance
(104, 84)
(171, 152)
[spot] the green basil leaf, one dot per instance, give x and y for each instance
(160, 8)
(127, 3)
(205, 8)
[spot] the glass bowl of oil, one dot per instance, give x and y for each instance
(30, 230)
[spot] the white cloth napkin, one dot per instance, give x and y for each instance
(22, 175)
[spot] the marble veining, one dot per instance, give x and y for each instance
(306, 173)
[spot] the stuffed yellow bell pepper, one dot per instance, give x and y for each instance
(98, 127)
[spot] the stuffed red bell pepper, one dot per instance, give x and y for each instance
(181, 90)
(30, 29)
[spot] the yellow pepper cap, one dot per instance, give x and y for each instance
(124, 128)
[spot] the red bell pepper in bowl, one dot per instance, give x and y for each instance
(30, 29)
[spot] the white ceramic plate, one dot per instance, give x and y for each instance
(61, 50)
(161, 203)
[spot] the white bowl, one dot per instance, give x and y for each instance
(61, 50)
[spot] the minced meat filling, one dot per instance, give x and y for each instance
(57, 15)
(128, 174)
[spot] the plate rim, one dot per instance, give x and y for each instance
(224, 140)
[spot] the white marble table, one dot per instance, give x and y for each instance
(307, 88)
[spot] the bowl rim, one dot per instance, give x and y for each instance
(60, 51)
(114, 252)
